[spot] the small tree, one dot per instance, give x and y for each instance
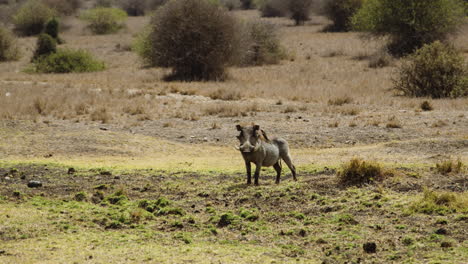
(8, 46)
(411, 23)
(45, 45)
(193, 37)
(341, 12)
(134, 7)
(299, 10)
(273, 8)
(52, 29)
(435, 70)
(31, 17)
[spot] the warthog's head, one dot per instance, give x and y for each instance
(250, 138)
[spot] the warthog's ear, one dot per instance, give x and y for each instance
(256, 127)
(239, 127)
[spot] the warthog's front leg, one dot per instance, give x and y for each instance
(248, 166)
(277, 167)
(258, 167)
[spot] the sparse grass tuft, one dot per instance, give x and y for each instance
(449, 167)
(340, 100)
(442, 203)
(358, 172)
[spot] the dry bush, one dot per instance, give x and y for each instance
(195, 49)
(261, 44)
(299, 10)
(225, 94)
(435, 70)
(426, 106)
(449, 167)
(64, 7)
(380, 59)
(101, 114)
(358, 172)
(273, 8)
(340, 100)
(230, 110)
(9, 50)
(441, 203)
(231, 4)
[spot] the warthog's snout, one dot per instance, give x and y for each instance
(246, 147)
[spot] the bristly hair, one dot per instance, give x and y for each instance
(264, 136)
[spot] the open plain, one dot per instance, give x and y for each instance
(139, 170)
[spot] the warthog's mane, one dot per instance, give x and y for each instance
(263, 136)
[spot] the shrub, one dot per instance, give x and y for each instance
(52, 29)
(409, 24)
(231, 4)
(66, 61)
(357, 172)
(341, 12)
(45, 45)
(247, 4)
(435, 70)
(261, 44)
(299, 10)
(64, 7)
(105, 20)
(31, 17)
(154, 4)
(380, 59)
(103, 3)
(134, 7)
(426, 106)
(273, 8)
(8, 46)
(195, 48)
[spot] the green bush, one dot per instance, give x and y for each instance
(30, 19)
(261, 44)
(195, 48)
(8, 46)
(104, 20)
(435, 70)
(409, 24)
(67, 61)
(64, 7)
(45, 46)
(442, 203)
(341, 12)
(52, 28)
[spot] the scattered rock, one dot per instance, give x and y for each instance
(104, 128)
(71, 170)
(34, 184)
(369, 247)
(7, 178)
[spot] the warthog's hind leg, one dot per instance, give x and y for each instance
(277, 167)
(288, 161)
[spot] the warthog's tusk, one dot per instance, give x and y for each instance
(236, 147)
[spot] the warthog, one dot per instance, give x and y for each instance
(257, 148)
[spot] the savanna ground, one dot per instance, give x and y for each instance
(156, 179)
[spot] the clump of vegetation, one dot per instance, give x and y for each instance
(299, 10)
(449, 166)
(67, 61)
(357, 172)
(52, 29)
(30, 19)
(442, 203)
(64, 7)
(261, 44)
(341, 12)
(426, 106)
(435, 70)
(154, 205)
(231, 4)
(104, 20)
(9, 50)
(134, 7)
(45, 46)
(273, 8)
(409, 24)
(227, 219)
(380, 59)
(247, 4)
(81, 196)
(117, 198)
(248, 215)
(195, 49)
(184, 237)
(170, 211)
